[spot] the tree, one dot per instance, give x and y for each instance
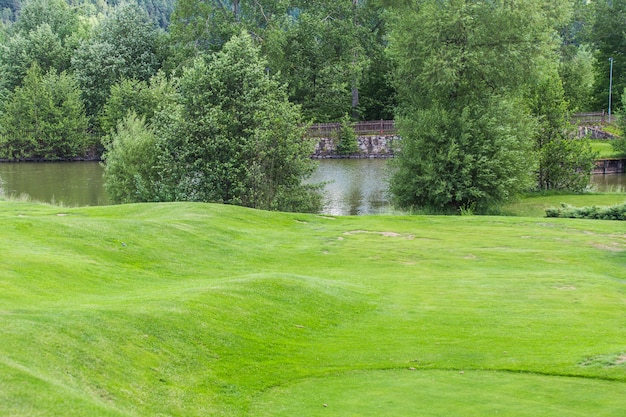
(577, 73)
(323, 53)
(44, 119)
(40, 46)
(232, 138)
(199, 28)
(131, 155)
(62, 20)
(238, 140)
(461, 79)
(323, 50)
(346, 137)
(45, 33)
(564, 161)
(138, 97)
(577, 59)
(619, 144)
(124, 46)
(609, 40)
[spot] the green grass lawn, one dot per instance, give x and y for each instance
(207, 310)
(604, 149)
(536, 205)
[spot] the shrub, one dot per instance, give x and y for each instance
(346, 138)
(616, 212)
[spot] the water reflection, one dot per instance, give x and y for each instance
(69, 183)
(354, 186)
(609, 183)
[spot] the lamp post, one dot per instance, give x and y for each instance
(610, 86)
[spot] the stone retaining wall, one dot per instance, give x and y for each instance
(594, 132)
(381, 146)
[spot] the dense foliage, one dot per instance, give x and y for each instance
(619, 144)
(481, 90)
(44, 119)
(564, 161)
(462, 82)
(617, 212)
(232, 138)
(123, 46)
(158, 10)
(346, 139)
(130, 162)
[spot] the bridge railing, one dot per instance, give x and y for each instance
(376, 127)
(590, 118)
(388, 127)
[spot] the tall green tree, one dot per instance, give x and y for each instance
(131, 156)
(327, 52)
(233, 138)
(144, 99)
(577, 59)
(61, 18)
(44, 119)
(240, 141)
(564, 161)
(204, 27)
(463, 71)
(609, 41)
(124, 46)
(46, 33)
(41, 46)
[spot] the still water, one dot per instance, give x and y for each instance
(352, 186)
(68, 183)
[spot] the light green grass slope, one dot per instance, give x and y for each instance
(210, 310)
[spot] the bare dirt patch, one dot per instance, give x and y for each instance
(565, 287)
(614, 247)
(384, 234)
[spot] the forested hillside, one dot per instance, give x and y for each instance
(468, 82)
(158, 10)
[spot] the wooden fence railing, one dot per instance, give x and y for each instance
(377, 127)
(388, 127)
(591, 118)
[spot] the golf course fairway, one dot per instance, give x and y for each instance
(188, 309)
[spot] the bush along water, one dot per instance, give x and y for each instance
(616, 212)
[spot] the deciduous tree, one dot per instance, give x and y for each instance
(463, 71)
(239, 140)
(131, 155)
(124, 46)
(564, 160)
(139, 97)
(232, 138)
(609, 41)
(44, 119)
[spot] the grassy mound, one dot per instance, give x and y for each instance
(200, 310)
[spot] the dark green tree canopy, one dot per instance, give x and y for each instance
(44, 119)
(609, 39)
(124, 46)
(464, 70)
(233, 137)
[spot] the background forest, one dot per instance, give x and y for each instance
(468, 82)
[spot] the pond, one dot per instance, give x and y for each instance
(352, 186)
(68, 183)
